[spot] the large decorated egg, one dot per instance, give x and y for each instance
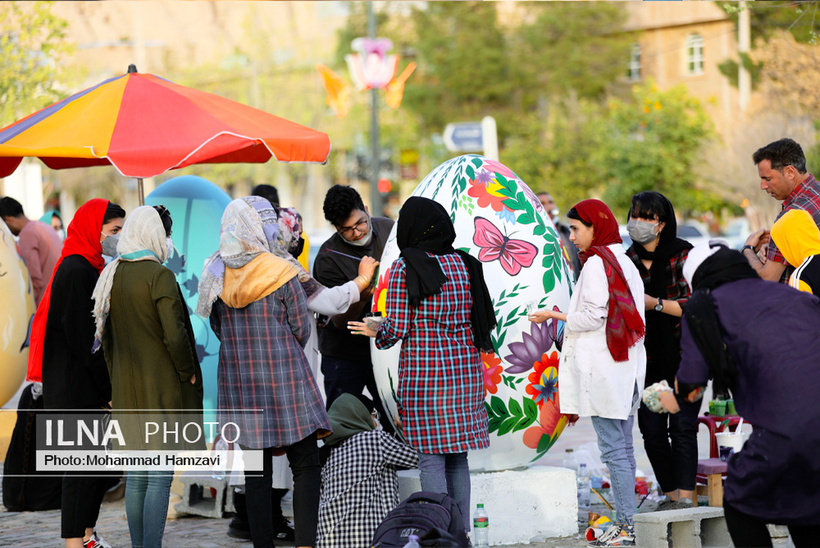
(15, 316)
(196, 207)
(500, 221)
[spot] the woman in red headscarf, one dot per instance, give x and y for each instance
(603, 362)
(60, 354)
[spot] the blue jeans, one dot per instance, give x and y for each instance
(146, 505)
(448, 473)
(615, 443)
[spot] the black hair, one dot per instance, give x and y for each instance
(340, 202)
(113, 211)
(651, 204)
(782, 153)
(165, 217)
(267, 192)
(573, 214)
(9, 207)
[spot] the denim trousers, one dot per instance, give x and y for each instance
(615, 443)
(671, 443)
(303, 457)
(146, 506)
(448, 473)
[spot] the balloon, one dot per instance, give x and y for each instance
(196, 207)
(500, 221)
(16, 316)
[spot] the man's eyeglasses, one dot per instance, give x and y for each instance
(360, 227)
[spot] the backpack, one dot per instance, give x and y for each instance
(24, 488)
(434, 517)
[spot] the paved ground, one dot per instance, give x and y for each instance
(41, 529)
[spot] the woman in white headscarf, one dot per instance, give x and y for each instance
(146, 334)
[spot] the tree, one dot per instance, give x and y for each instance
(654, 142)
(32, 48)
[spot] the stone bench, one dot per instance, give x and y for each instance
(690, 527)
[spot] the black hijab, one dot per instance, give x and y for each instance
(425, 227)
(724, 266)
(662, 334)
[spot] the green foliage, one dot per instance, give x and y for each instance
(32, 48)
(570, 46)
(799, 18)
(729, 69)
(653, 141)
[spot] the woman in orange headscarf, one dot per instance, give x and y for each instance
(603, 362)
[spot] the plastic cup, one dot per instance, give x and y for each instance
(532, 307)
(730, 407)
(720, 408)
(712, 407)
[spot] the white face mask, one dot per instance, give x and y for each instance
(364, 241)
(169, 248)
(641, 232)
(61, 234)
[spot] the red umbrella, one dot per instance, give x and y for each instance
(144, 125)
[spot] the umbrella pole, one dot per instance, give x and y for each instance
(140, 191)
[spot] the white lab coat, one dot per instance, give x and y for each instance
(590, 382)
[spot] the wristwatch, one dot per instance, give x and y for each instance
(659, 306)
(747, 246)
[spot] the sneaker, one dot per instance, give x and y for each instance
(684, 503)
(666, 504)
(96, 541)
(239, 529)
(617, 535)
(284, 534)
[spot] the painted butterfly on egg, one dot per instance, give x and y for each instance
(494, 245)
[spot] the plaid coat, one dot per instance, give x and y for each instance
(359, 488)
(265, 383)
(441, 387)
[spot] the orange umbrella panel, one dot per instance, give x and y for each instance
(145, 125)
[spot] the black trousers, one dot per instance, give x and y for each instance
(81, 500)
(303, 457)
(751, 532)
(671, 443)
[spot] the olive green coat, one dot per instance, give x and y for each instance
(151, 355)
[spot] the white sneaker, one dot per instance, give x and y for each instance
(96, 541)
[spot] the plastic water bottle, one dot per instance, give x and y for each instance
(481, 527)
(412, 542)
(570, 461)
(220, 450)
(583, 481)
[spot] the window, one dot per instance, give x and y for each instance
(694, 54)
(633, 69)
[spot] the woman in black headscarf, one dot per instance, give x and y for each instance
(670, 440)
(439, 307)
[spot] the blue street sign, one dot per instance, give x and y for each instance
(464, 137)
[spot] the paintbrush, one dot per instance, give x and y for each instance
(345, 255)
(600, 496)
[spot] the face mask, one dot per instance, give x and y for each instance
(641, 232)
(297, 247)
(109, 245)
(61, 234)
(364, 241)
(553, 213)
(169, 247)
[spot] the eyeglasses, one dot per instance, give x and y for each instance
(360, 227)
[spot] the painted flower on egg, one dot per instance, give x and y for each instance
(499, 220)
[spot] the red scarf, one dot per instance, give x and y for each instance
(624, 326)
(82, 238)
